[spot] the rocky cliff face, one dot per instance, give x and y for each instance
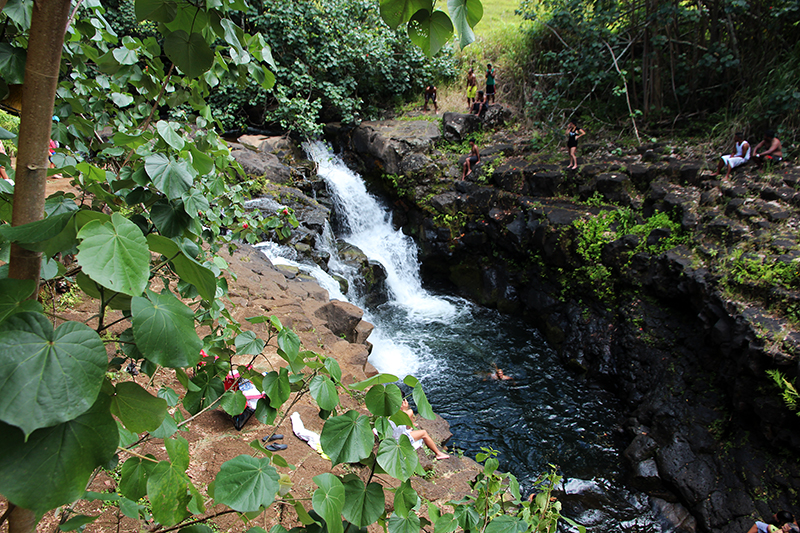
(678, 319)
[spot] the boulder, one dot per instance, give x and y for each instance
(341, 318)
(385, 146)
(457, 126)
(256, 163)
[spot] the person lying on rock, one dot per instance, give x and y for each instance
(782, 521)
(473, 159)
(739, 156)
(773, 149)
(416, 436)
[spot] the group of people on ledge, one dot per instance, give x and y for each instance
(769, 149)
(781, 522)
(477, 101)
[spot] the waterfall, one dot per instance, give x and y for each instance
(368, 226)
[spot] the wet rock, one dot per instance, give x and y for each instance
(673, 516)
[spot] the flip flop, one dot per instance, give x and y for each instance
(270, 438)
(276, 447)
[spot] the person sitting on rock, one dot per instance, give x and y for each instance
(479, 106)
(781, 521)
(473, 159)
(416, 436)
(739, 156)
(773, 152)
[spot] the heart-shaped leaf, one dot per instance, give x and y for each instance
(138, 409)
(190, 53)
(398, 457)
(173, 178)
(115, 254)
(363, 505)
(397, 12)
(246, 484)
(430, 30)
(60, 458)
(328, 501)
(347, 438)
(324, 392)
(164, 330)
(14, 297)
(465, 15)
(384, 400)
(133, 477)
(47, 376)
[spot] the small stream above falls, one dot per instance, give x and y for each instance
(544, 415)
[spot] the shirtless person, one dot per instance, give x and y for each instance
(473, 159)
(739, 156)
(773, 152)
(420, 434)
(472, 87)
(430, 95)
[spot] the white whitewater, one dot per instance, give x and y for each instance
(368, 226)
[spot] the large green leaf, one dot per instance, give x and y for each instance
(30, 235)
(167, 131)
(398, 457)
(233, 402)
(115, 254)
(328, 501)
(12, 63)
(430, 30)
(173, 178)
(363, 505)
(190, 53)
(155, 10)
(506, 524)
(384, 400)
(277, 387)
(138, 409)
(423, 405)
(404, 524)
(186, 267)
(247, 343)
(324, 392)
(53, 466)
(114, 299)
(170, 217)
(164, 330)
(405, 498)
(375, 380)
(14, 297)
(246, 484)
(47, 376)
(20, 11)
(465, 15)
(209, 388)
(167, 487)
(347, 438)
(447, 523)
(133, 477)
(397, 12)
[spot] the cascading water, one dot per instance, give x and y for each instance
(545, 415)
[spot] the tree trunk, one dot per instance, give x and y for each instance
(48, 26)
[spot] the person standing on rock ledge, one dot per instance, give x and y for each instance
(472, 87)
(573, 134)
(430, 95)
(490, 83)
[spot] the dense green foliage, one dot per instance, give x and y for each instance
(335, 60)
(674, 59)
